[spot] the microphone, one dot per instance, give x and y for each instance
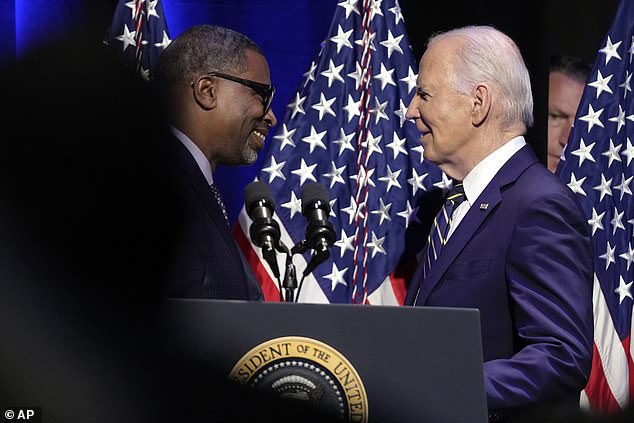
(264, 231)
(320, 233)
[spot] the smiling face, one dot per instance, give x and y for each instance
(442, 114)
(241, 126)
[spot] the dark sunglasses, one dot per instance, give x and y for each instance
(263, 90)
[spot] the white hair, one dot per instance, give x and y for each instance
(490, 56)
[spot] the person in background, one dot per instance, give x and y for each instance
(511, 239)
(566, 81)
(215, 87)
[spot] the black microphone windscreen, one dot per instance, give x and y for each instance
(314, 192)
(257, 191)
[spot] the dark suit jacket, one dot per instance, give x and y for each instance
(207, 260)
(522, 256)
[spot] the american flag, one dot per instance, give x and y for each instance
(139, 32)
(346, 129)
(598, 167)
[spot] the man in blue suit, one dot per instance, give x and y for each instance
(517, 246)
(215, 86)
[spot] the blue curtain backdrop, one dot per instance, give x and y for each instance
(288, 31)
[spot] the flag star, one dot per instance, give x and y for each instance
(385, 76)
(624, 186)
(416, 181)
(335, 174)
(353, 108)
(392, 43)
(610, 50)
(286, 137)
(584, 152)
(275, 170)
(628, 256)
(391, 178)
(601, 84)
(375, 8)
(364, 177)
(376, 244)
(332, 207)
(624, 290)
(398, 16)
(345, 243)
(294, 205)
(342, 39)
(324, 106)
(592, 118)
(310, 74)
(617, 221)
(626, 85)
(368, 39)
(344, 141)
(372, 144)
(397, 146)
(379, 110)
(383, 211)
(297, 105)
(305, 172)
(631, 49)
(336, 277)
(401, 112)
(164, 42)
(612, 153)
(145, 73)
(353, 210)
(629, 151)
(608, 256)
(620, 119)
(604, 187)
(350, 6)
(420, 150)
(151, 9)
(333, 73)
(408, 213)
(315, 139)
(127, 38)
(410, 80)
(595, 222)
(575, 185)
(445, 183)
(357, 75)
(133, 8)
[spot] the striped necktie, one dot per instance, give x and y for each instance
(218, 197)
(437, 237)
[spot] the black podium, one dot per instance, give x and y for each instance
(357, 363)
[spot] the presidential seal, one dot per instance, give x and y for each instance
(307, 370)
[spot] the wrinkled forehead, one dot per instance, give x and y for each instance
(257, 67)
(438, 62)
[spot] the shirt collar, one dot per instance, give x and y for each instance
(482, 174)
(201, 160)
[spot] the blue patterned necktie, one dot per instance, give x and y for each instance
(218, 198)
(437, 237)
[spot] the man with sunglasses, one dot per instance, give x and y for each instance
(215, 87)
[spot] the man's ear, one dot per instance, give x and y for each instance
(481, 104)
(205, 91)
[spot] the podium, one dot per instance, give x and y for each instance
(354, 362)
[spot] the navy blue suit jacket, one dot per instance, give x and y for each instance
(522, 256)
(207, 261)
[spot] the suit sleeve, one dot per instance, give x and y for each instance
(549, 280)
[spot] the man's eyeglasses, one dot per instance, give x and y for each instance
(263, 90)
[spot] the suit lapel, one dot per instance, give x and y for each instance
(475, 217)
